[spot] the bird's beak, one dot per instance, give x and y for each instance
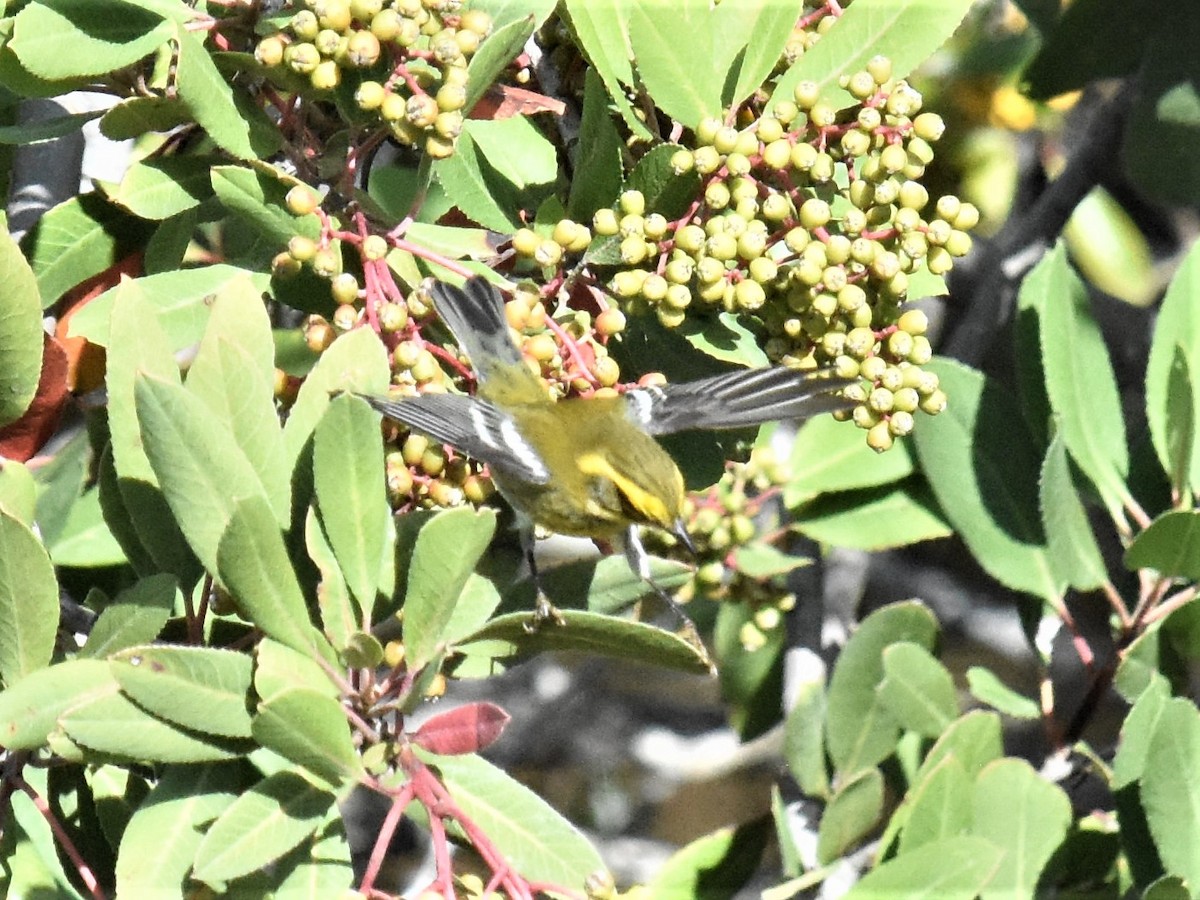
(680, 531)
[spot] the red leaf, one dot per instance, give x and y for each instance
(85, 369)
(465, 729)
(21, 440)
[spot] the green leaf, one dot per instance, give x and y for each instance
(233, 373)
(938, 806)
(32, 867)
(18, 491)
(517, 151)
(68, 38)
(724, 337)
(602, 30)
(137, 116)
(1025, 815)
(260, 826)
(1172, 396)
(279, 668)
(987, 688)
(30, 708)
(77, 239)
(259, 200)
(201, 688)
(1170, 546)
(850, 815)
(202, 471)
(162, 187)
(160, 841)
(1171, 789)
(309, 728)
(86, 540)
(665, 192)
(21, 334)
(598, 169)
(804, 728)
(253, 564)
(28, 601)
(46, 130)
(356, 361)
(828, 455)
(761, 560)
(447, 549)
(131, 495)
(348, 473)
(319, 867)
(917, 689)
(750, 38)
(604, 585)
(502, 46)
(340, 615)
(1137, 731)
(905, 31)
(136, 616)
(981, 464)
(974, 740)
(537, 841)
(714, 866)
(1079, 377)
(861, 729)
(112, 724)
(891, 515)
(679, 75)
(212, 101)
(508, 638)
(470, 186)
(179, 301)
(954, 868)
(1074, 555)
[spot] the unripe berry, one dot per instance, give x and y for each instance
(301, 248)
(934, 403)
(369, 95)
(913, 195)
(709, 270)
(633, 250)
(421, 110)
(633, 203)
(721, 246)
(611, 321)
(318, 334)
(869, 118)
(706, 159)
(921, 352)
(763, 269)
(814, 213)
(906, 399)
(301, 200)
(365, 10)
(548, 254)
(804, 156)
(737, 164)
(627, 283)
(939, 261)
(929, 126)
(749, 295)
(526, 241)
(301, 58)
(326, 263)
(879, 437)
(670, 318)
(269, 51)
(958, 243)
(914, 321)
(362, 49)
(655, 226)
(345, 317)
(391, 109)
(899, 344)
(893, 158)
(822, 168)
(284, 265)
(476, 20)
(726, 139)
(786, 111)
(806, 94)
(333, 14)
(344, 288)
(796, 240)
(679, 271)
(860, 342)
(706, 131)
(677, 297)
(880, 68)
(385, 24)
(682, 162)
(604, 222)
(690, 238)
(326, 76)
(967, 218)
(654, 287)
(716, 195)
(855, 143)
(751, 244)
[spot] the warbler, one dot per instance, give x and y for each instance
(587, 466)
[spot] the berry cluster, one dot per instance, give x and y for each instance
(408, 57)
(723, 523)
(811, 220)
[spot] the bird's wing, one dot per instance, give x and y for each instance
(474, 426)
(736, 399)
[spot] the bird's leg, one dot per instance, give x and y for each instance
(543, 610)
(639, 561)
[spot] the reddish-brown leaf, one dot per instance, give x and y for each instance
(85, 361)
(503, 101)
(466, 729)
(21, 440)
